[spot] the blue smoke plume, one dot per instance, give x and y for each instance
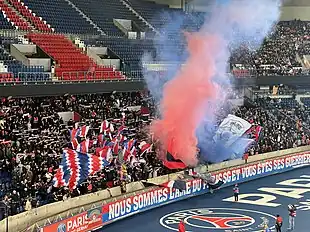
(237, 22)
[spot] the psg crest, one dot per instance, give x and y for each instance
(217, 219)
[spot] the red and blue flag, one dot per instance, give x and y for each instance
(76, 167)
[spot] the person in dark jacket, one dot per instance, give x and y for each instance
(236, 192)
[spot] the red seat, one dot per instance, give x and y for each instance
(25, 11)
(69, 59)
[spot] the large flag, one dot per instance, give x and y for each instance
(173, 184)
(231, 129)
(210, 180)
(170, 161)
(240, 146)
(75, 167)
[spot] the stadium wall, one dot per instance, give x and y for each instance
(171, 3)
(59, 88)
(55, 88)
(107, 206)
(295, 12)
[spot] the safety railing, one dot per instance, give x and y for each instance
(92, 76)
(46, 77)
(244, 73)
(97, 76)
(34, 76)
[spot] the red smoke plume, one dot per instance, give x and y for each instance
(185, 98)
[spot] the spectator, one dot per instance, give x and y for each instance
(28, 205)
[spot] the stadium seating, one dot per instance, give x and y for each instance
(130, 51)
(288, 103)
(102, 12)
(13, 70)
(27, 13)
(16, 20)
(61, 16)
(151, 11)
(71, 63)
(4, 23)
(8, 77)
(305, 101)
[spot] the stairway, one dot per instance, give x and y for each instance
(86, 18)
(138, 16)
(71, 63)
(28, 15)
(15, 18)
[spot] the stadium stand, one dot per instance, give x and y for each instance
(71, 63)
(13, 70)
(16, 20)
(271, 58)
(4, 23)
(37, 22)
(33, 134)
(130, 51)
(150, 11)
(61, 16)
(103, 13)
(305, 101)
(157, 15)
(37, 134)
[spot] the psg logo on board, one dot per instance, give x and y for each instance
(218, 219)
(62, 228)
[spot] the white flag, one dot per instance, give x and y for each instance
(231, 129)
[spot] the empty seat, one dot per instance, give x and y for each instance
(61, 16)
(71, 63)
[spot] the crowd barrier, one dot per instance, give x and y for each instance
(92, 211)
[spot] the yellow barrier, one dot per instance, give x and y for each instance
(64, 209)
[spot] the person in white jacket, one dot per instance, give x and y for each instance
(291, 216)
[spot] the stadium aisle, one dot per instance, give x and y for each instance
(259, 202)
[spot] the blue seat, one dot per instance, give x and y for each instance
(61, 16)
(102, 12)
(5, 24)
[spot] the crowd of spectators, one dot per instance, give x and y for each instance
(281, 52)
(279, 130)
(33, 135)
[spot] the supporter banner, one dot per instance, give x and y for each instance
(133, 108)
(66, 116)
(264, 168)
(126, 207)
(83, 222)
(147, 200)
